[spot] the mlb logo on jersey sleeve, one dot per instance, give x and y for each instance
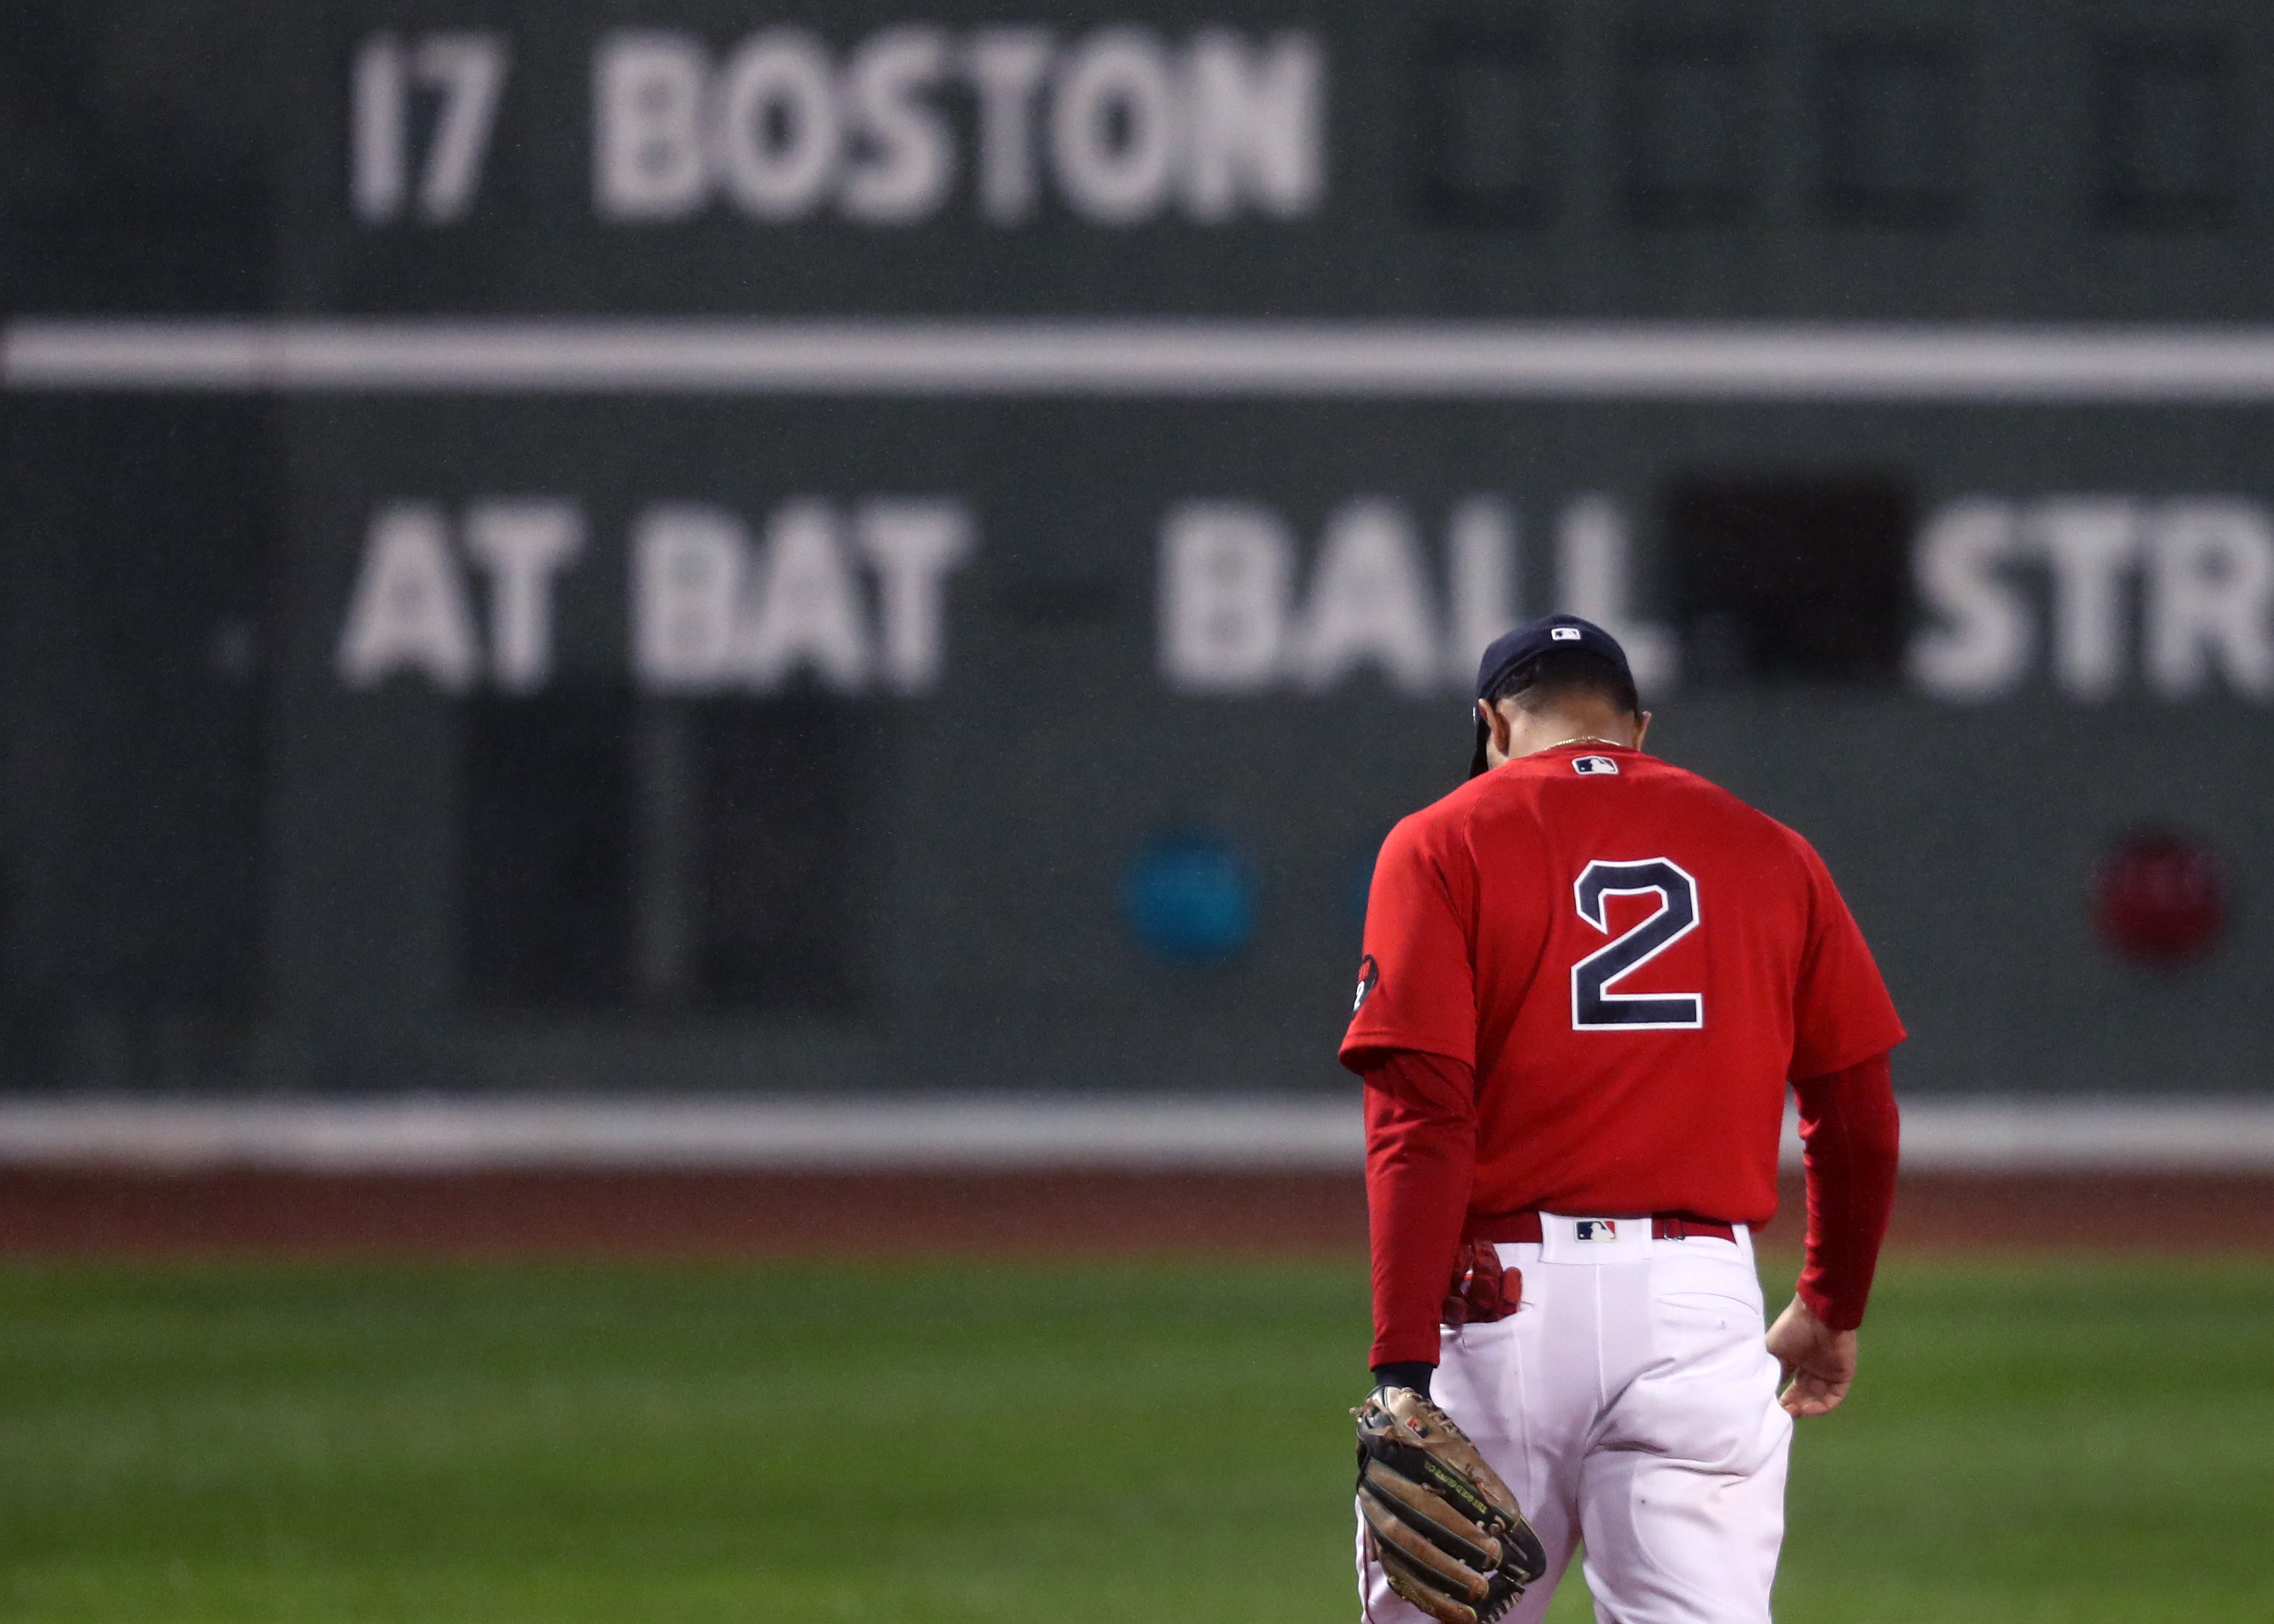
(1589, 765)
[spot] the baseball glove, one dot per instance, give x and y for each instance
(1444, 1527)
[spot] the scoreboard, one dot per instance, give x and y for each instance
(662, 544)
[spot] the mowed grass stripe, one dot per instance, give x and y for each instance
(954, 1442)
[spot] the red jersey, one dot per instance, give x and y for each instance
(1634, 962)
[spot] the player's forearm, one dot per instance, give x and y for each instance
(1420, 1159)
(1851, 1131)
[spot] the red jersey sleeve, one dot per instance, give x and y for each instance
(1850, 1128)
(1421, 1160)
(1841, 1013)
(1416, 983)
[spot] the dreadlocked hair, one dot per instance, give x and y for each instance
(1546, 681)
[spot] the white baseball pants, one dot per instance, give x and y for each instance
(1630, 1403)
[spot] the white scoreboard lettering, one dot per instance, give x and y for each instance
(1121, 125)
(463, 76)
(1238, 617)
(2194, 576)
(854, 596)
(2097, 593)
(1124, 123)
(713, 612)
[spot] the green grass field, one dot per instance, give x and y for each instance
(936, 1442)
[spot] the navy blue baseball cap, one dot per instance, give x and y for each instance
(1527, 642)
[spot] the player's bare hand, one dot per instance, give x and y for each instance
(1819, 1362)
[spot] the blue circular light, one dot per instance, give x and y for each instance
(1189, 896)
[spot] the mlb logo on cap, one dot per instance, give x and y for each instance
(1563, 633)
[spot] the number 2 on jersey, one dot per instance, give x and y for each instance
(1594, 1006)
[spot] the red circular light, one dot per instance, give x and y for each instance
(2159, 897)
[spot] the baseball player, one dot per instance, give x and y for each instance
(1589, 978)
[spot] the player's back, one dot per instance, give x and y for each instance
(1588, 978)
(1642, 944)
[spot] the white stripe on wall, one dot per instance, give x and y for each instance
(943, 1133)
(791, 1133)
(1140, 359)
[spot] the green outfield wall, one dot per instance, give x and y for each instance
(673, 545)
